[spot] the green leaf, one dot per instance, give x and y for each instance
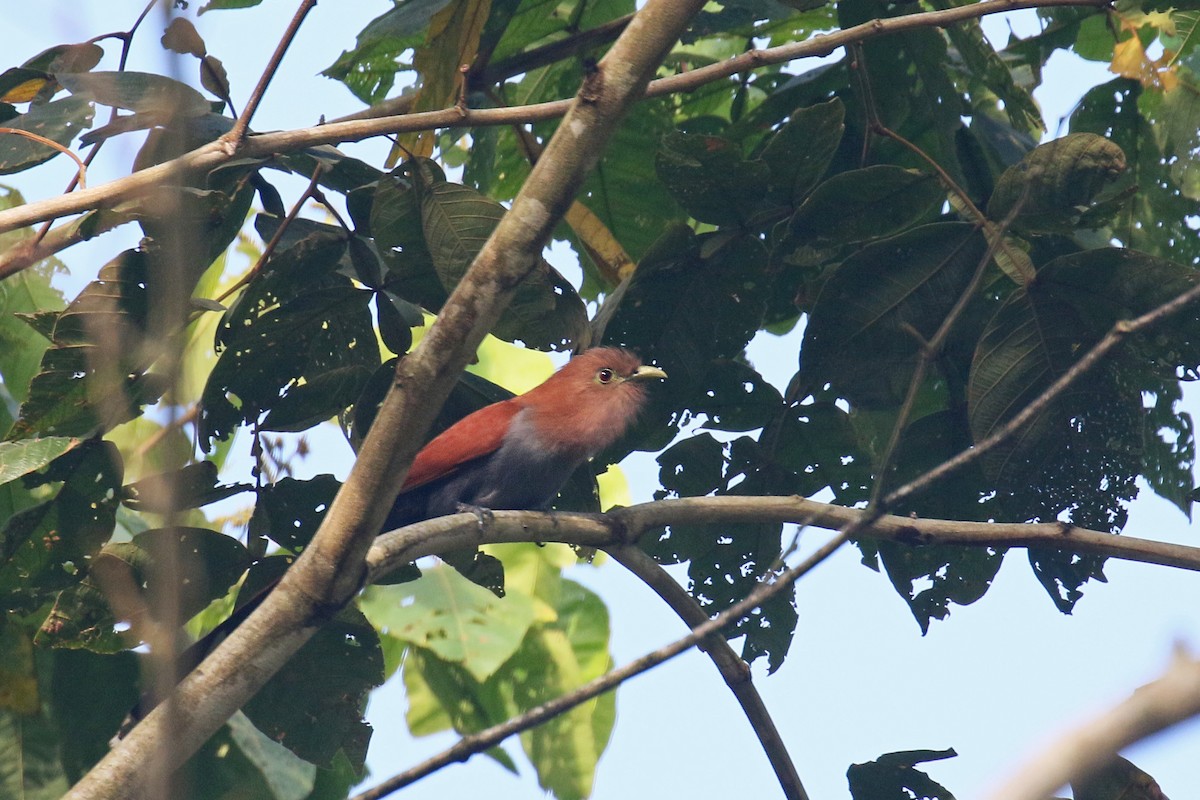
(985, 66)
(369, 70)
(1056, 183)
(865, 203)
(556, 659)
(460, 622)
(290, 510)
(545, 312)
(60, 121)
(209, 563)
(18, 677)
(634, 206)
(395, 223)
(860, 338)
(333, 672)
(288, 777)
(191, 486)
(140, 92)
(1131, 117)
(297, 322)
(27, 455)
(800, 152)
(84, 384)
(710, 178)
(46, 547)
(1170, 449)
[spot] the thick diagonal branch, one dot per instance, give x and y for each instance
(331, 568)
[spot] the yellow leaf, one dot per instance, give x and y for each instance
(24, 92)
(452, 42)
(1130, 61)
(610, 258)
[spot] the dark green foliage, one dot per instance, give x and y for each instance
(893, 776)
(841, 204)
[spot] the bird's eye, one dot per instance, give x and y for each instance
(605, 375)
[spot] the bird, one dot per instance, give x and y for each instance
(518, 453)
(515, 454)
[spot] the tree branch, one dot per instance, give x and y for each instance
(1168, 700)
(623, 526)
(356, 127)
(733, 669)
(331, 568)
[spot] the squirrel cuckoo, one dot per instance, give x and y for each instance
(518, 453)
(512, 455)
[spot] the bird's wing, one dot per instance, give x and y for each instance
(474, 436)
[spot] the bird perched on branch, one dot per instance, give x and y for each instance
(518, 453)
(512, 455)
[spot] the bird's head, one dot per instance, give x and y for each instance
(589, 403)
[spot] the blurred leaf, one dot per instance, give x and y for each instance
(191, 486)
(60, 121)
(89, 696)
(1119, 779)
(140, 92)
(46, 547)
(207, 564)
(285, 774)
(18, 679)
(85, 383)
(29, 762)
(182, 37)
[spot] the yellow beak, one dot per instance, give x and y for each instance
(647, 373)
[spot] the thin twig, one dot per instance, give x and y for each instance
(269, 250)
(126, 38)
(490, 737)
(733, 669)
(238, 132)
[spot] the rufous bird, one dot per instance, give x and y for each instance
(512, 455)
(518, 453)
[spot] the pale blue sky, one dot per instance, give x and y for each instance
(993, 681)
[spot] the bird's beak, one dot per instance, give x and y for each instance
(647, 373)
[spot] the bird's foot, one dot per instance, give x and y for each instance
(483, 515)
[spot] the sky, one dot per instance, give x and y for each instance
(994, 681)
